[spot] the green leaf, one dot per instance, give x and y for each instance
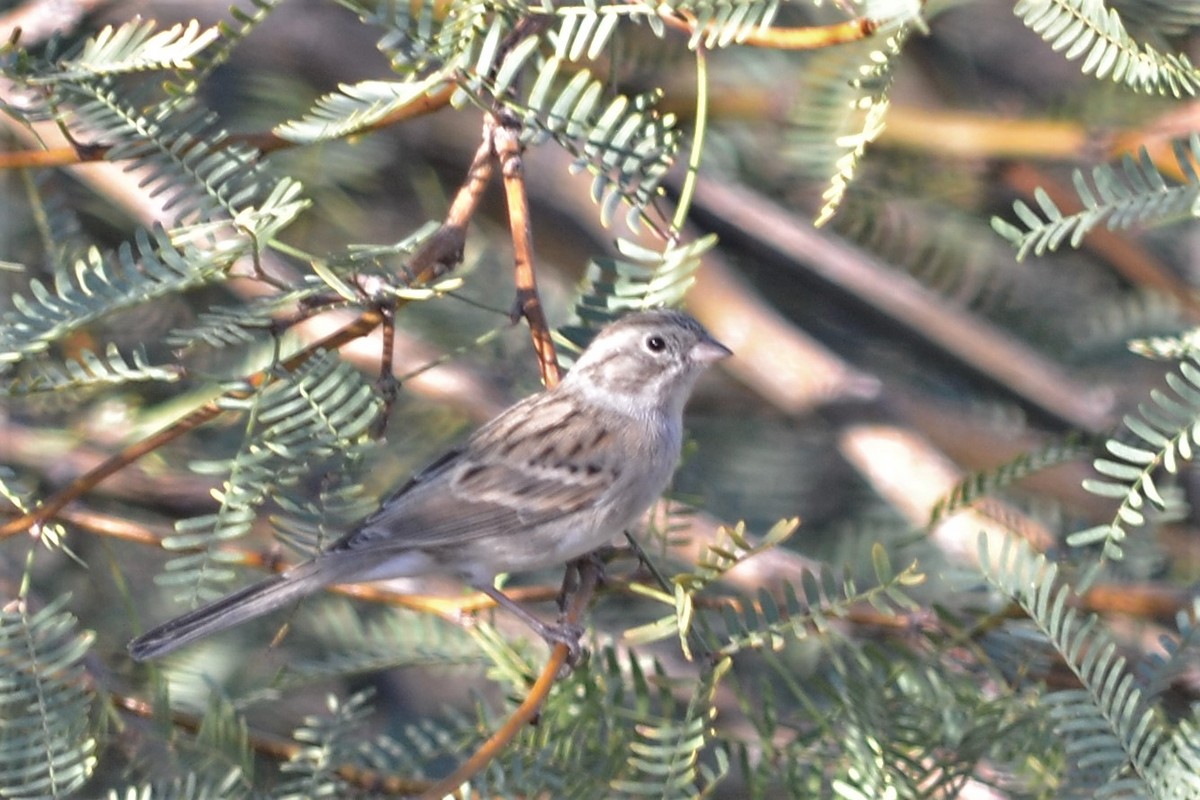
(1090, 536)
(48, 748)
(881, 563)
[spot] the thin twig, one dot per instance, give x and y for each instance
(387, 384)
(507, 148)
(805, 38)
(364, 324)
(444, 249)
(438, 255)
(687, 188)
(507, 144)
(273, 747)
(265, 143)
(1139, 600)
(283, 750)
(589, 577)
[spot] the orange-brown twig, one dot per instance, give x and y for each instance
(437, 256)
(1143, 601)
(281, 749)
(507, 144)
(808, 38)
(275, 747)
(365, 323)
(589, 577)
(450, 608)
(386, 383)
(445, 248)
(264, 142)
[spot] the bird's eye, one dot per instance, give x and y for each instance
(655, 344)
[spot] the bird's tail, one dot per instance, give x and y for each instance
(233, 609)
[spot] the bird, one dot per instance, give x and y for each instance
(553, 477)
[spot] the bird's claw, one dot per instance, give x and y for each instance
(567, 634)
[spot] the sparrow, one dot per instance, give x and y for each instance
(553, 477)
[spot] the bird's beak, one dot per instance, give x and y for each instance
(708, 351)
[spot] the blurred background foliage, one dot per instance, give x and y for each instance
(973, 383)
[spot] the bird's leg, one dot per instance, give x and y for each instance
(565, 633)
(570, 584)
(387, 384)
(597, 560)
(645, 561)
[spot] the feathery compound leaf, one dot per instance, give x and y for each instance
(231, 34)
(1089, 29)
(583, 31)
(1178, 654)
(233, 785)
(665, 758)
(322, 410)
(1110, 728)
(180, 147)
(1139, 194)
(873, 722)
(980, 484)
(225, 737)
(641, 279)
(1168, 431)
(420, 37)
(720, 24)
(401, 638)
(133, 47)
(21, 497)
(1165, 17)
(309, 521)
(46, 749)
(326, 743)
(358, 107)
(152, 266)
(89, 369)
(623, 142)
(839, 112)
(769, 620)
(157, 263)
(237, 325)
(731, 549)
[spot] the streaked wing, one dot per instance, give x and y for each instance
(537, 462)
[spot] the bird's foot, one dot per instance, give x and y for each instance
(565, 633)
